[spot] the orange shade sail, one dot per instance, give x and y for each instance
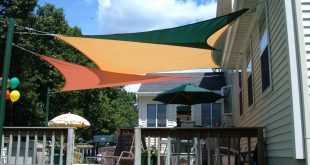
(78, 77)
(181, 48)
(140, 58)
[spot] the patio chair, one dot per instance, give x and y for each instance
(123, 153)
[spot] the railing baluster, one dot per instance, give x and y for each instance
(10, 149)
(238, 143)
(61, 147)
(52, 148)
(26, 148)
(198, 150)
(70, 145)
(249, 150)
(35, 145)
(169, 150)
(43, 149)
(188, 151)
(2, 158)
(178, 149)
(208, 148)
(218, 155)
(18, 148)
(228, 149)
(159, 149)
(148, 149)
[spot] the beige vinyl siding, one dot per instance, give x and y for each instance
(305, 6)
(272, 109)
(171, 115)
(197, 114)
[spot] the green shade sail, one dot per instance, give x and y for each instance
(192, 35)
(180, 48)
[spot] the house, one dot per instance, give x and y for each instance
(156, 114)
(266, 61)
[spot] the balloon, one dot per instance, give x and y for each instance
(8, 82)
(7, 94)
(14, 82)
(14, 95)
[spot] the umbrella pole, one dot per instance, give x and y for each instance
(211, 114)
(47, 106)
(189, 111)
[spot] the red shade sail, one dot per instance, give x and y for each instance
(78, 77)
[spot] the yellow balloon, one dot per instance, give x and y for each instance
(14, 95)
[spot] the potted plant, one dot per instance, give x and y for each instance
(153, 156)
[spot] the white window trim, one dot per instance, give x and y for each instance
(251, 72)
(240, 89)
(264, 8)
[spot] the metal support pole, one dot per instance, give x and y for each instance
(6, 68)
(47, 106)
(211, 114)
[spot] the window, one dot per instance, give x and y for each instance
(211, 113)
(156, 115)
(227, 100)
(249, 72)
(264, 51)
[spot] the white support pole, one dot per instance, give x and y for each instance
(169, 150)
(137, 146)
(70, 147)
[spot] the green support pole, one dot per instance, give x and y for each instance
(47, 106)
(6, 68)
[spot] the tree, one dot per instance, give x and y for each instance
(107, 109)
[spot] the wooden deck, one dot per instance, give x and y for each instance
(37, 145)
(202, 145)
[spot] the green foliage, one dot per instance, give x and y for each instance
(107, 109)
(153, 151)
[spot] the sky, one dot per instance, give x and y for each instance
(123, 16)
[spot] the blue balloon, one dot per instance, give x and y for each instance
(14, 82)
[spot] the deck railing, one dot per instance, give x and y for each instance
(37, 145)
(227, 146)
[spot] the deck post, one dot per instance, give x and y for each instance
(137, 146)
(70, 147)
(169, 150)
(159, 149)
(260, 147)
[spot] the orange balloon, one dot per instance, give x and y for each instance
(7, 94)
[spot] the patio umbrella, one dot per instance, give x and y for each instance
(69, 120)
(187, 94)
